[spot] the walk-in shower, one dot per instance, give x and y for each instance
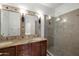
(63, 34)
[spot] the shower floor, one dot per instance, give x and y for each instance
(53, 51)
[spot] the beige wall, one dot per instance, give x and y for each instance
(63, 34)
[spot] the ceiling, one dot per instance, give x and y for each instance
(52, 5)
(49, 5)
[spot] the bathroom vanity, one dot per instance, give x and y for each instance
(24, 47)
(14, 30)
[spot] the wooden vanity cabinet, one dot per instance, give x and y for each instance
(43, 46)
(36, 49)
(23, 50)
(10, 51)
(30, 49)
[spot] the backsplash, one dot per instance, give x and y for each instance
(6, 38)
(16, 37)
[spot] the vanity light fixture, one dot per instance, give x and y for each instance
(22, 18)
(39, 20)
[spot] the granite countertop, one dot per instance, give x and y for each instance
(15, 42)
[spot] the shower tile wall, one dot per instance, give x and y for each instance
(66, 34)
(49, 31)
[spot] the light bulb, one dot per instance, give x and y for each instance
(22, 11)
(39, 16)
(40, 13)
(64, 20)
(49, 17)
(58, 19)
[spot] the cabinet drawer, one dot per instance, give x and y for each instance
(43, 48)
(43, 51)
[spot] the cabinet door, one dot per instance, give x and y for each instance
(10, 51)
(36, 49)
(4, 22)
(43, 48)
(24, 50)
(14, 23)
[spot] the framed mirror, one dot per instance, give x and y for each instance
(10, 23)
(30, 24)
